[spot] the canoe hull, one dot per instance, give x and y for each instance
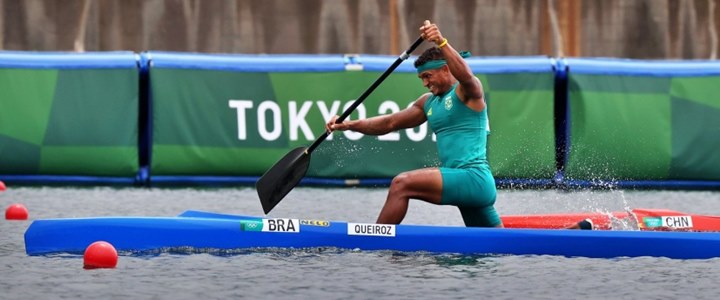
(215, 231)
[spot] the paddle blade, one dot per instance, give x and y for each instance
(279, 180)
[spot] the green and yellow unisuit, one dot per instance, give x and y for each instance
(461, 141)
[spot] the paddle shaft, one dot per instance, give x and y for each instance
(367, 92)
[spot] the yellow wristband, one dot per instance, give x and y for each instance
(443, 43)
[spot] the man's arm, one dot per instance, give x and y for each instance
(470, 89)
(410, 117)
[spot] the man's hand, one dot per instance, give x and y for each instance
(331, 126)
(431, 33)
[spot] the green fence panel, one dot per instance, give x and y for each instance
(230, 118)
(521, 107)
(69, 114)
(642, 121)
(216, 126)
(695, 141)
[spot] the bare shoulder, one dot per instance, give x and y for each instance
(420, 102)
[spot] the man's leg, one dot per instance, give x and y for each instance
(423, 184)
(481, 216)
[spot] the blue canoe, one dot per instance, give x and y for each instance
(206, 230)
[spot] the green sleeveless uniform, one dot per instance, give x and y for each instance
(461, 141)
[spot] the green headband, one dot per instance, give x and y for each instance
(431, 64)
(435, 64)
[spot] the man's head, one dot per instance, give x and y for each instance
(432, 53)
(433, 71)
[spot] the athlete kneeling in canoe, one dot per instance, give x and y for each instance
(457, 113)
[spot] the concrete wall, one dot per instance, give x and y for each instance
(610, 28)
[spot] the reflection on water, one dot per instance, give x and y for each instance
(466, 260)
(276, 252)
(397, 257)
(440, 259)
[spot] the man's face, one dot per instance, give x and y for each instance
(434, 80)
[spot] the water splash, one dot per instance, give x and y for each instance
(627, 222)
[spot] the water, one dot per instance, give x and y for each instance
(328, 273)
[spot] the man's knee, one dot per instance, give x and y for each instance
(400, 182)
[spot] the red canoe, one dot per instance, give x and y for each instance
(637, 219)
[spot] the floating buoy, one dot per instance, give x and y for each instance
(16, 211)
(100, 254)
(2, 186)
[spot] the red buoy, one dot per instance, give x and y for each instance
(2, 186)
(100, 254)
(16, 211)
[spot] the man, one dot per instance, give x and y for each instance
(456, 111)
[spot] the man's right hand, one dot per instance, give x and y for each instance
(431, 33)
(332, 126)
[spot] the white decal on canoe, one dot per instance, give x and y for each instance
(677, 222)
(371, 229)
(281, 225)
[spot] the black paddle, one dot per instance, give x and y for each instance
(281, 178)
